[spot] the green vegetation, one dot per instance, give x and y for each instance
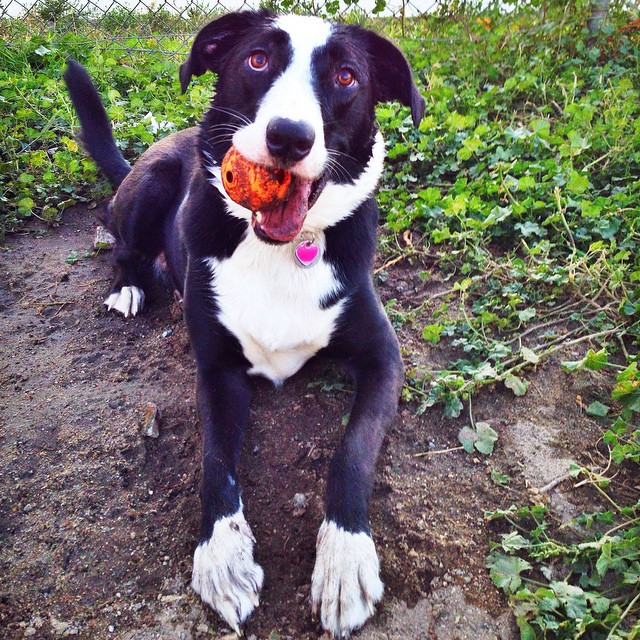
(522, 184)
(523, 179)
(583, 581)
(42, 169)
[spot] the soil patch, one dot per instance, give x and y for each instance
(98, 521)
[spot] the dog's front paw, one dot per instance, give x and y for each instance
(224, 573)
(345, 585)
(128, 301)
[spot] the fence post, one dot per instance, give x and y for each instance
(599, 10)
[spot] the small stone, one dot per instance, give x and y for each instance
(167, 333)
(151, 422)
(29, 631)
(104, 239)
(59, 626)
(300, 503)
(112, 629)
(174, 597)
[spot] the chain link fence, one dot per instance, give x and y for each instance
(138, 24)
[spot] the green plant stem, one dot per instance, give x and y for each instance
(625, 613)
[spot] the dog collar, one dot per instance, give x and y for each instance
(306, 252)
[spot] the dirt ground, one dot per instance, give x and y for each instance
(98, 521)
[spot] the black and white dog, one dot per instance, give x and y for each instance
(265, 291)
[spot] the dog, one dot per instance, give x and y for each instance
(264, 291)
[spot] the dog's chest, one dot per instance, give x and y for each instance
(273, 306)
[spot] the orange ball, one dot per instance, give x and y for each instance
(252, 185)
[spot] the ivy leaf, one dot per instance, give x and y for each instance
(513, 541)
(499, 478)
(505, 570)
(593, 360)
(517, 385)
(632, 576)
(599, 604)
(431, 333)
(596, 360)
(526, 630)
(597, 409)
(526, 314)
(452, 405)
(529, 355)
(486, 438)
(604, 560)
(529, 228)
(467, 437)
(573, 598)
(577, 183)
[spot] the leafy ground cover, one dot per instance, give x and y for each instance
(521, 184)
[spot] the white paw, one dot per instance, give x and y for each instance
(345, 585)
(224, 573)
(128, 301)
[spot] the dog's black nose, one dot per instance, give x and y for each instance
(288, 140)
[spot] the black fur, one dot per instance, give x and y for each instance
(97, 136)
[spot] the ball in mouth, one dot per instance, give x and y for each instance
(278, 199)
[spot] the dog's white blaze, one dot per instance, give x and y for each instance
(345, 584)
(291, 96)
(273, 306)
(224, 573)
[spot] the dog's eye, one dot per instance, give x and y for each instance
(345, 77)
(258, 60)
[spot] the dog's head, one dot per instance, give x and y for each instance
(299, 93)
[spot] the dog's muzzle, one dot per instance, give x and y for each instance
(284, 221)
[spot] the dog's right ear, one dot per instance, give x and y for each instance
(214, 41)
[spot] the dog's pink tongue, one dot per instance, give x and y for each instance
(284, 221)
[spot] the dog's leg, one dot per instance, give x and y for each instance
(138, 218)
(224, 572)
(346, 584)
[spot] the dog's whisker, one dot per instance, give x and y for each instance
(223, 137)
(336, 169)
(342, 154)
(232, 112)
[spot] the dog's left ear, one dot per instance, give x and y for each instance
(391, 75)
(214, 42)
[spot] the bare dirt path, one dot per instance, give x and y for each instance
(98, 521)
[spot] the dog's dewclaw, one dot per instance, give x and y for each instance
(252, 185)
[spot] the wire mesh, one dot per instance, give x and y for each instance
(168, 25)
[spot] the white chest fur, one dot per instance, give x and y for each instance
(273, 306)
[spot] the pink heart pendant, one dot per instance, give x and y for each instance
(307, 253)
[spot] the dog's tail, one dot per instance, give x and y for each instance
(96, 134)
